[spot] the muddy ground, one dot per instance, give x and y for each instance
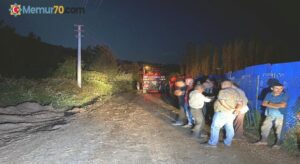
(130, 128)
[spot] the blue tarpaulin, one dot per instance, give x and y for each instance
(256, 82)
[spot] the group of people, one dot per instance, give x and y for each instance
(226, 107)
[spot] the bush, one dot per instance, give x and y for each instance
(14, 91)
(101, 59)
(67, 69)
(292, 139)
(123, 82)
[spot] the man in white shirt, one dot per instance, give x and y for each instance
(196, 102)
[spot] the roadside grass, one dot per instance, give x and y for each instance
(291, 142)
(63, 92)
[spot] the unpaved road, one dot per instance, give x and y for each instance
(130, 128)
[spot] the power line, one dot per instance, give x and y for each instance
(92, 29)
(89, 38)
(95, 39)
(99, 4)
(82, 3)
(85, 5)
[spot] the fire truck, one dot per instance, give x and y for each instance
(151, 79)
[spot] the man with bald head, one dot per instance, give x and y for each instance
(227, 104)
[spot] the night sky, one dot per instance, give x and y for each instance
(159, 30)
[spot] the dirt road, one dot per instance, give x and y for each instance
(130, 128)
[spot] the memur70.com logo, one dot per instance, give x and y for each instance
(18, 9)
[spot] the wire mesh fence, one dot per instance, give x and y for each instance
(256, 81)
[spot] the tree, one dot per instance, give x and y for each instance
(32, 35)
(238, 55)
(251, 53)
(215, 67)
(227, 57)
(105, 60)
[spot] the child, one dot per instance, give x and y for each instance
(196, 102)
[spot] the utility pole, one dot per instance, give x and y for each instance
(79, 30)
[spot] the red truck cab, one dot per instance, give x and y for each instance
(151, 79)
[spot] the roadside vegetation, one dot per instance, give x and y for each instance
(101, 78)
(62, 92)
(32, 70)
(291, 142)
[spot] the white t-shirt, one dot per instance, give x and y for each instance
(197, 99)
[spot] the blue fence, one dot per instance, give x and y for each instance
(256, 82)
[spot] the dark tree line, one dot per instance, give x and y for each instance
(234, 55)
(28, 56)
